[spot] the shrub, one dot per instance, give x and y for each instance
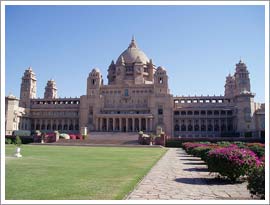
(27, 140)
(189, 146)
(224, 143)
(256, 181)
(257, 149)
(202, 151)
(240, 144)
(8, 141)
(231, 162)
(173, 143)
(18, 141)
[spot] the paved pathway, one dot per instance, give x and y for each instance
(178, 176)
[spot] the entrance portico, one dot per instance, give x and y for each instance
(124, 123)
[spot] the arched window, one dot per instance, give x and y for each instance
(176, 127)
(65, 126)
(196, 127)
(223, 127)
(59, 127)
(70, 127)
(183, 128)
(190, 128)
(126, 92)
(76, 127)
(49, 127)
(203, 128)
(210, 127)
(54, 127)
(160, 80)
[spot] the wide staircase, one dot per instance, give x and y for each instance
(105, 138)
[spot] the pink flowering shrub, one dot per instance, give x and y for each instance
(256, 179)
(257, 148)
(231, 162)
(189, 146)
(202, 151)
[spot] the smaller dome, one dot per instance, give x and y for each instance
(160, 68)
(11, 96)
(95, 70)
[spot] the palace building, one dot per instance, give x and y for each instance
(137, 98)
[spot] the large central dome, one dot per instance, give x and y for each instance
(131, 54)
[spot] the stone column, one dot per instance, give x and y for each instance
(101, 124)
(226, 124)
(126, 124)
(140, 124)
(35, 124)
(120, 124)
(107, 124)
(51, 122)
(133, 124)
(113, 124)
(96, 125)
(56, 124)
(45, 123)
(74, 124)
(151, 124)
(219, 124)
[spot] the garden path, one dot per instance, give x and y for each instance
(178, 176)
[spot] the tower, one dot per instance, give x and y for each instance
(50, 90)
(94, 82)
(161, 81)
(229, 86)
(242, 80)
(111, 73)
(244, 100)
(120, 70)
(28, 88)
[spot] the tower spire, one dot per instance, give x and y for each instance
(132, 43)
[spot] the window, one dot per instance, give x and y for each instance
(93, 82)
(160, 80)
(183, 128)
(190, 128)
(176, 127)
(126, 92)
(229, 112)
(176, 113)
(160, 111)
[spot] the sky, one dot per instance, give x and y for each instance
(198, 45)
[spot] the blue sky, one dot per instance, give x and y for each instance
(198, 45)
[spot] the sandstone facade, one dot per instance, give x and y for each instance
(137, 97)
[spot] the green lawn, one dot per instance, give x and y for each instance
(78, 173)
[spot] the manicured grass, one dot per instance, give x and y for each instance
(78, 173)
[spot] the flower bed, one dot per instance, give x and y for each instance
(233, 160)
(256, 180)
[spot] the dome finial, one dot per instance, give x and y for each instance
(240, 61)
(132, 43)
